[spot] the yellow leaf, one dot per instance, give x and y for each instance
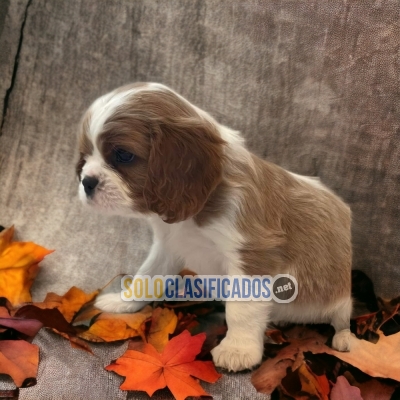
(18, 267)
(111, 327)
(70, 303)
(163, 324)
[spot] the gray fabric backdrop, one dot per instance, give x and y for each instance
(312, 84)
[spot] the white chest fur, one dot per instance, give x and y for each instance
(205, 250)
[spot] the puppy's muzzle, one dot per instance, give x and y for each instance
(89, 183)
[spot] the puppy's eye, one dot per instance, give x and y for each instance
(123, 156)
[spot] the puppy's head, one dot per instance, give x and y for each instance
(144, 149)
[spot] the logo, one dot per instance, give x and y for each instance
(282, 288)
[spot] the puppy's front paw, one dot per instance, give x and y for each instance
(341, 340)
(112, 302)
(236, 357)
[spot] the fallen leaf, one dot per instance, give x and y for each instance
(368, 357)
(86, 316)
(109, 327)
(19, 359)
(163, 323)
(28, 327)
(373, 389)
(303, 382)
(364, 355)
(343, 390)
(50, 318)
(53, 319)
(68, 304)
(276, 336)
(271, 372)
(18, 267)
(215, 328)
(185, 322)
(175, 368)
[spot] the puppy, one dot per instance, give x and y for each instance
(216, 208)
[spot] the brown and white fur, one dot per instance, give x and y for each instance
(217, 209)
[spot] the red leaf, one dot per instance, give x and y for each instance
(174, 368)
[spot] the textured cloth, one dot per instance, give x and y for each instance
(312, 84)
(66, 373)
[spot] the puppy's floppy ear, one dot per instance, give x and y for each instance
(185, 166)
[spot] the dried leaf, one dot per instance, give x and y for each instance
(19, 359)
(175, 368)
(343, 390)
(185, 322)
(28, 327)
(163, 323)
(53, 319)
(367, 356)
(86, 316)
(18, 267)
(310, 383)
(68, 304)
(276, 336)
(364, 355)
(304, 384)
(50, 318)
(109, 327)
(266, 378)
(373, 389)
(214, 326)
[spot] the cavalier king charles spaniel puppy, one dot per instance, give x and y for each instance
(145, 151)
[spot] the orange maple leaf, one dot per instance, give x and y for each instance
(175, 367)
(18, 267)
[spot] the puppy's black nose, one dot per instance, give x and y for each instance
(89, 183)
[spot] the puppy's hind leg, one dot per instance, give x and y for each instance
(341, 322)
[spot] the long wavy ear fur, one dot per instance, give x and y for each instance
(185, 166)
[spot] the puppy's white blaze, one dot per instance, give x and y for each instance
(103, 108)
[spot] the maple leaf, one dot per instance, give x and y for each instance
(18, 267)
(174, 368)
